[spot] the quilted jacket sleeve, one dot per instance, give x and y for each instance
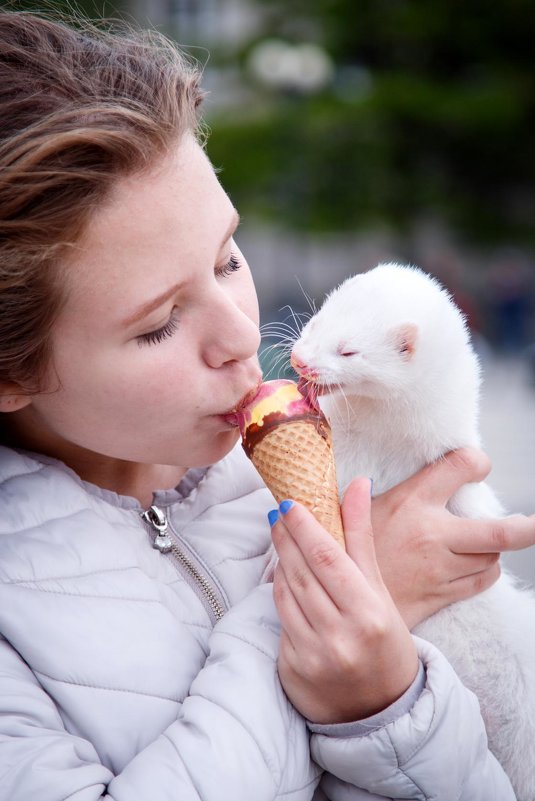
(230, 742)
(434, 751)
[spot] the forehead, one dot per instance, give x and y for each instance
(179, 196)
(152, 226)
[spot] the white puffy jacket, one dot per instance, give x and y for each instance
(132, 673)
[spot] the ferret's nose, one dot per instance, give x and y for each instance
(296, 363)
(302, 368)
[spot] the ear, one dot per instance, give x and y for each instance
(405, 337)
(12, 398)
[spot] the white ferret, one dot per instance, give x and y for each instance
(393, 352)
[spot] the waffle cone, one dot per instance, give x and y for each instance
(297, 462)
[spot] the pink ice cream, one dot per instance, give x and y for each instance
(276, 402)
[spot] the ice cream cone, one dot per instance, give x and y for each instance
(297, 462)
(289, 442)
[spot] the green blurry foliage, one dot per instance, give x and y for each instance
(445, 129)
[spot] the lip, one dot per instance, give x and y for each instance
(248, 397)
(232, 415)
(312, 390)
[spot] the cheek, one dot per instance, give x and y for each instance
(122, 382)
(156, 376)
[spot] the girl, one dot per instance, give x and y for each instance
(141, 653)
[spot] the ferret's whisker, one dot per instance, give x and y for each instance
(282, 356)
(281, 335)
(276, 320)
(278, 328)
(339, 418)
(302, 315)
(286, 339)
(299, 319)
(347, 405)
(280, 352)
(276, 346)
(271, 373)
(311, 302)
(295, 318)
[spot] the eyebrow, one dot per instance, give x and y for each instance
(150, 306)
(155, 303)
(232, 227)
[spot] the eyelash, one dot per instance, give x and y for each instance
(167, 330)
(155, 337)
(230, 267)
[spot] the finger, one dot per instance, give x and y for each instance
(333, 569)
(492, 536)
(314, 602)
(465, 565)
(438, 481)
(358, 531)
(293, 620)
(477, 582)
(446, 593)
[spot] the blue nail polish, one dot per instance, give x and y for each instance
(285, 506)
(273, 516)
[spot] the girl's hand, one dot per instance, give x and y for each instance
(429, 557)
(345, 651)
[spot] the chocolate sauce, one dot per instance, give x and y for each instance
(256, 433)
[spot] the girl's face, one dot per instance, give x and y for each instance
(159, 333)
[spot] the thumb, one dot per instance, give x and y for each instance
(356, 518)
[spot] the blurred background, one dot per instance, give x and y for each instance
(349, 132)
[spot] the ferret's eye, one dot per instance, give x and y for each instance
(346, 349)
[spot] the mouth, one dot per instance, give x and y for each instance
(312, 391)
(232, 416)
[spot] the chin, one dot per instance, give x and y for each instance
(220, 446)
(368, 388)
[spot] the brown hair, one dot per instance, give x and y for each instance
(80, 105)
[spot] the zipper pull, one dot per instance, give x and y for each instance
(158, 521)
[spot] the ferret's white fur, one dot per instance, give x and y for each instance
(397, 347)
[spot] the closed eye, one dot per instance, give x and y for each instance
(230, 267)
(157, 336)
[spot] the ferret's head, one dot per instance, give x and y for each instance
(380, 333)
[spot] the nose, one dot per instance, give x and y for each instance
(296, 362)
(301, 367)
(232, 334)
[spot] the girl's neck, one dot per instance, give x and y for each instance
(138, 480)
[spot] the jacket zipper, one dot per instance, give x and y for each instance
(163, 543)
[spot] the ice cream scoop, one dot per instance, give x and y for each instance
(288, 439)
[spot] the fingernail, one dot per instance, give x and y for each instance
(285, 506)
(273, 516)
(371, 486)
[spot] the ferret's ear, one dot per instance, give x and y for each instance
(405, 337)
